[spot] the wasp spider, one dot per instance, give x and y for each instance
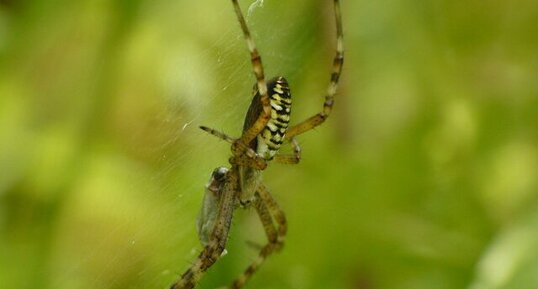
(265, 129)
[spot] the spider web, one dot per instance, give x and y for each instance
(425, 175)
(200, 74)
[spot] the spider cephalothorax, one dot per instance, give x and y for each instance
(264, 131)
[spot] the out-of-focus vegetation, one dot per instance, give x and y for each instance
(426, 176)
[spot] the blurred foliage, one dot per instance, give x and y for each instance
(426, 176)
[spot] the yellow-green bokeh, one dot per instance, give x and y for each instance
(425, 176)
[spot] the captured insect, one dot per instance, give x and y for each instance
(265, 129)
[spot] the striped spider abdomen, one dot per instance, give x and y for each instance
(267, 143)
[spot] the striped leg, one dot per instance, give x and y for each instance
(213, 250)
(257, 67)
(218, 134)
(265, 206)
(252, 159)
(276, 212)
(293, 158)
(338, 62)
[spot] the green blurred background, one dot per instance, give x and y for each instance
(425, 176)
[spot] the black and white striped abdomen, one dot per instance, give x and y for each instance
(272, 136)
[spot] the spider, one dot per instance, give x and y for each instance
(265, 129)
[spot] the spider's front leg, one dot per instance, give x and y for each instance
(276, 213)
(269, 214)
(214, 224)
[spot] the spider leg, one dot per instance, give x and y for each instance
(290, 158)
(257, 67)
(338, 62)
(252, 159)
(218, 134)
(217, 241)
(267, 210)
(276, 212)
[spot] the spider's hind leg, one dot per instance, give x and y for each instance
(257, 67)
(338, 62)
